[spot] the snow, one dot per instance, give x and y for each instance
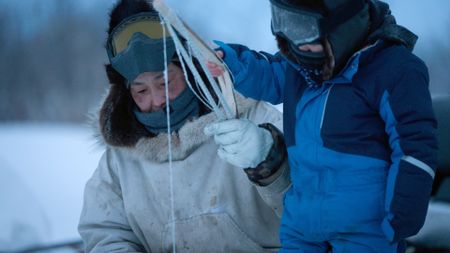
(43, 169)
(22, 217)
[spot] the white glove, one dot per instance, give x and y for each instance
(241, 142)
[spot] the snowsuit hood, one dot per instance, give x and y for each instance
(383, 26)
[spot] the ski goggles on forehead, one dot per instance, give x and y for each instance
(147, 23)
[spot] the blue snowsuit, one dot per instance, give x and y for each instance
(361, 147)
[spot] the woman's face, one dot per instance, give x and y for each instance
(148, 89)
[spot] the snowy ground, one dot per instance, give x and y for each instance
(43, 169)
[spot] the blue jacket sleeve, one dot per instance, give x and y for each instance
(258, 75)
(411, 126)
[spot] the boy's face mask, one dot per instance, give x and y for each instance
(136, 45)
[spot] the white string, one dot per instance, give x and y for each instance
(182, 54)
(196, 83)
(200, 97)
(212, 81)
(169, 138)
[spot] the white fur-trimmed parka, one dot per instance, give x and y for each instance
(127, 203)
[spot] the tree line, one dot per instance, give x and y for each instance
(56, 71)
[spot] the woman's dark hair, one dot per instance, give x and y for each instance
(126, 8)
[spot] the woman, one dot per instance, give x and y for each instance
(217, 207)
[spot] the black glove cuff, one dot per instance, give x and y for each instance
(277, 155)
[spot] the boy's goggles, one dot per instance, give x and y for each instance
(302, 25)
(298, 26)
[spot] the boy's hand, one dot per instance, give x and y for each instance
(216, 70)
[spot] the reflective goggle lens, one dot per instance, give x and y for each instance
(146, 25)
(297, 26)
